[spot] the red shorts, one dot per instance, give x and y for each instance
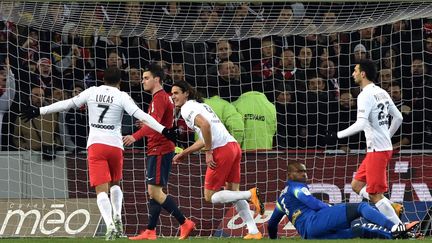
(105, 164)
(228, 159)
(373, 171)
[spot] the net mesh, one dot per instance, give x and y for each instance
(296, 58)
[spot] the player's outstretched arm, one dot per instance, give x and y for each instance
(357, 127)
(31, 112)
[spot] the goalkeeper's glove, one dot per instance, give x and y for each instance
(29, 113)
(170, 133)
(331, 137)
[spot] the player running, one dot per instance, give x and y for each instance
(222, 155)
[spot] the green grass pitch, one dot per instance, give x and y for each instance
(192, 239)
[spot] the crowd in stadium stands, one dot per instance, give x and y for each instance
(300, 86)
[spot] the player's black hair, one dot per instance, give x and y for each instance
(186, 87)
(368, 66)
(156, 71)
(112, 76)
(293, 166)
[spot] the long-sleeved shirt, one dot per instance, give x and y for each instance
(298, 204)
(162, 110)
(374, 106)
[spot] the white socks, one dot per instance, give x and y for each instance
(243, 210)
(385, 207)
(105, 209)
(116, 196)
(226, 196)
(363, 193)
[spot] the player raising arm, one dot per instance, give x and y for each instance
(374, 106)
(105, 146)
(222, 155)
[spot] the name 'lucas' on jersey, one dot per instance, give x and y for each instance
(106, 106)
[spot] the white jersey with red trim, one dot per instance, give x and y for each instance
(374, 104)
(105, 108)
(220, 135)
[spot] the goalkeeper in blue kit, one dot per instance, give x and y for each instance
(314, 219)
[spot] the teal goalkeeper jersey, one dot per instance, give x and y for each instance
(259, 116)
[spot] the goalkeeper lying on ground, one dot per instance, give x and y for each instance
(314, 219)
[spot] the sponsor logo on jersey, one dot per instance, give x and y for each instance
(102, 126)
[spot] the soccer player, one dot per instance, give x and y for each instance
(374, 106)
(105, 146)
(160, 152)
(314, 219)
(222, 156)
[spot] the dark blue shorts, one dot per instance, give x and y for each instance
(159, 168)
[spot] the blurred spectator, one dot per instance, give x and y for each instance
(284, 19)
(327, 71)
(385, 78)
(176, 73)
(38, 134)
(402, 138)
(284, 79)
(230, 82)
(347, 115)
(259, 116)
(228, 114)
(223, 52)
(76, 122)
(306, 68)
(371, 45)
(316, 112)
(71, 53)
(45, 76)
(132, 13)
(264, 69)
(428, 51)
(418, 85)
(111, 44)
(133, 86)
(390, 60)
(7, 94)
(360, 53)
(150, 46)
(286, 107)
(208, 19)
(29, 51)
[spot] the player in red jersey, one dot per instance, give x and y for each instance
(160, 152)
(222, 153)
(105, 146)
